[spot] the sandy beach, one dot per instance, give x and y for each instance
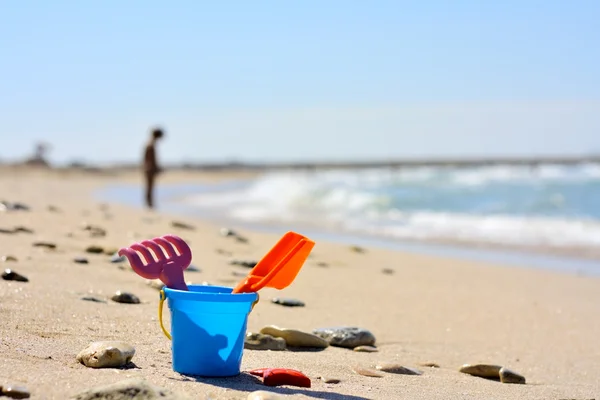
(540, 324)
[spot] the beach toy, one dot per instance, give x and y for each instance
(208, 329)
(209, 323)
(281, 377)
(280, 266)
(166, 267)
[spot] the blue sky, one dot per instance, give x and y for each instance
(299, 80)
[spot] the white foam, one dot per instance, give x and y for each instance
(360, 201)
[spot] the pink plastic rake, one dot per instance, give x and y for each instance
(162, 262)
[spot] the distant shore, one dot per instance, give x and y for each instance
(456, 162)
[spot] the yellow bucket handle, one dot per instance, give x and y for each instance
(163, 296)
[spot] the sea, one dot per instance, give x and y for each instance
(546, 208)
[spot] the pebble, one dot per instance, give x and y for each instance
(322, 264)
(22, 229)
(95, 231)
(482, 370)
(156, 284)
(223, 252)
(182, 225)
(357, 249)
(52, 208)
(346, 336)
(366, 349)
(430, 364)
(288, 302)
(125, 297)
(93, 299)
(14, 392)
(367, 372)
(388, 271)
(10, 275)
(9, 259)
(81, 260)
(242, 263)
(295, 338)
(7, 206)
(227, 232)
(47, 245)
(106, 354)
(264, 395)
(133, 388)
(394, 368)
(192, 268)
(326, 379)
(94, 249)
(508, 376)
(259, 341)
(116, 258)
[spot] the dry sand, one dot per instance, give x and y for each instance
(544, 325)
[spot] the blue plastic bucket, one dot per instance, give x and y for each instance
(208, 328)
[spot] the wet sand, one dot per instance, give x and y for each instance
(541, 324)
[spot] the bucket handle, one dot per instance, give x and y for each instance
(163, 297)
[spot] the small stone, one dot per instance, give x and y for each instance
(192, 268)
(129, 389)
(326, 379)
(182, 225)
(125, 297)
(366, 349)
(93, 299)
(14, 392)
(259, 341)
(388, 271)
(94, 249)
(242, 263)
(156, 284)
(288, 302)
(52, 208)
(482, 370)
(95, 231)
(22, 229)
(508, 376)
(264, 395)
(241, 239)
(116, 258)
(109, 251)
(367, 372)
(430, 364)
(47, 245)
(9, 259)
(357, 249)
(10, 275)
(227, 232)
(322, 264)
(346, 336)
(295, 338)
(80, 260)
(394, 368)
(106, 354)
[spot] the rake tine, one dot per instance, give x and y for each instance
(183, 248)
(168, 247)
(137, 264)
(145, 252)
(158, 252)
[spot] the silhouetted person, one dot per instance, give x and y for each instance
(151, 168)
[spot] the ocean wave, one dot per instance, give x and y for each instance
(547, 205)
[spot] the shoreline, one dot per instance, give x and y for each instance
(566, 259)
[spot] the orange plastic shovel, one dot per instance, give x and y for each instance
(279, 267)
